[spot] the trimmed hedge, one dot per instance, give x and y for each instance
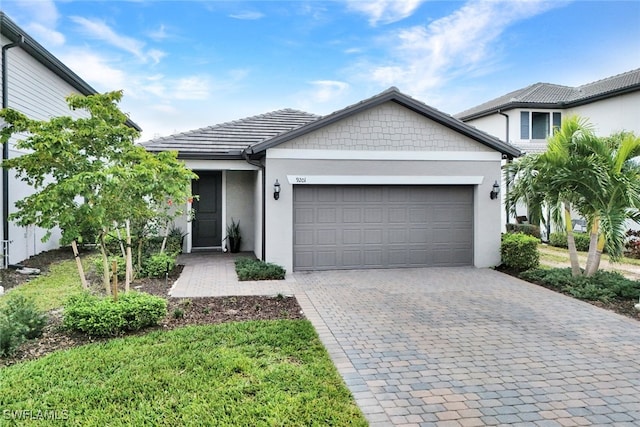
(530, 229)
(519, 251)
(254, 269)
(559, 240)
(104, 316)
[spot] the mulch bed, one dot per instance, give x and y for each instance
(181, 311)
(623, 307)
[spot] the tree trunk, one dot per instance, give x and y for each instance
(593, 246)
(105, 265)
(83, 278)
(129, 261)
(164, 239)
(597, 257)
(571, 243)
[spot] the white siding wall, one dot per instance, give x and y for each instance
(40, 94)
(613, 114)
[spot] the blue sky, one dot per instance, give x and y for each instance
(190, 64)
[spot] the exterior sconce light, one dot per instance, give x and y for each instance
(495, 191)
(276, 190)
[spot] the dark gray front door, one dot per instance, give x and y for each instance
(207, 226)
(352, 227)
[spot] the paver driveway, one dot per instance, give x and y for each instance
(463, 346)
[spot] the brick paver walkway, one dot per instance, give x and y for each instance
(460, 346)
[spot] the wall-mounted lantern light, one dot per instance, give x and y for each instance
(495, 191)
(276, 190)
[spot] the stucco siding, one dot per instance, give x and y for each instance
(613, 114)
(240, 205)
(387, 127)
(279, 213)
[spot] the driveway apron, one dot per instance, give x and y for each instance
(473, 347)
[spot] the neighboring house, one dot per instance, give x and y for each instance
(35, 83)
(526, 117)
(388, 182)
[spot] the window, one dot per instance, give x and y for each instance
(538, 125)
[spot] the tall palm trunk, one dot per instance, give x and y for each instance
(593, 246)
(597, 257)
(571, 243)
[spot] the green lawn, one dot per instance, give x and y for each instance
(274, 373)
(51, 290)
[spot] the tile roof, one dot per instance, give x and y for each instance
(547, 95)
(229, 139)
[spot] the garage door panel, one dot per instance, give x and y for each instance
(382, 226)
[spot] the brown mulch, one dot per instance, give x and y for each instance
(181, 311)
(623, 307)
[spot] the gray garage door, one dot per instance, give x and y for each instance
(350, 227)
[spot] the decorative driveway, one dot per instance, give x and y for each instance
(473, 347)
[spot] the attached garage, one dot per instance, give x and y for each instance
(381, 226)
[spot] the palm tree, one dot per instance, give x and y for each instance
(594, 176)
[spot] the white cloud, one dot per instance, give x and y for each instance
(159, 34)
(248, 15)
(385, 11)
(423, 57)
(327, 90)
(95, 69)
(101, 31)
(41, 32)
(193, 87)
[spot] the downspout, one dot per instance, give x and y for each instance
(245, 154)
(5, 155)
(506, 139)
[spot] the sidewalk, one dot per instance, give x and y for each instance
(208, 274)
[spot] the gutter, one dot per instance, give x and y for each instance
(245, 155)
(5, 154)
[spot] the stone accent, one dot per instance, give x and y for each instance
(388, 127)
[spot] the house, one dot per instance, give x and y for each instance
(387, 182)
(35, 83)
(526, 117)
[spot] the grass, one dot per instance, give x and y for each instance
(555, 254)
(51, 290)
(238, 374)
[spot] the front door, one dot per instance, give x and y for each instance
(207, 225)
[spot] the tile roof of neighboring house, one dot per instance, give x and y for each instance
(13, 32)
(547, 95)
(228, 140)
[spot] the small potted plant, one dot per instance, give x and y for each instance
(233, 236)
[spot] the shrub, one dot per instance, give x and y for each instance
(559, 240)
(122, 265)
(530, 229)
(602, 286)
(253, 269)
(632, 245)
(158, 264)
(23, 311)
(519, 251)
(19, 320)
(104, 316)
(11, 335)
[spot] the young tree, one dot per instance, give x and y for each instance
(88, 173)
